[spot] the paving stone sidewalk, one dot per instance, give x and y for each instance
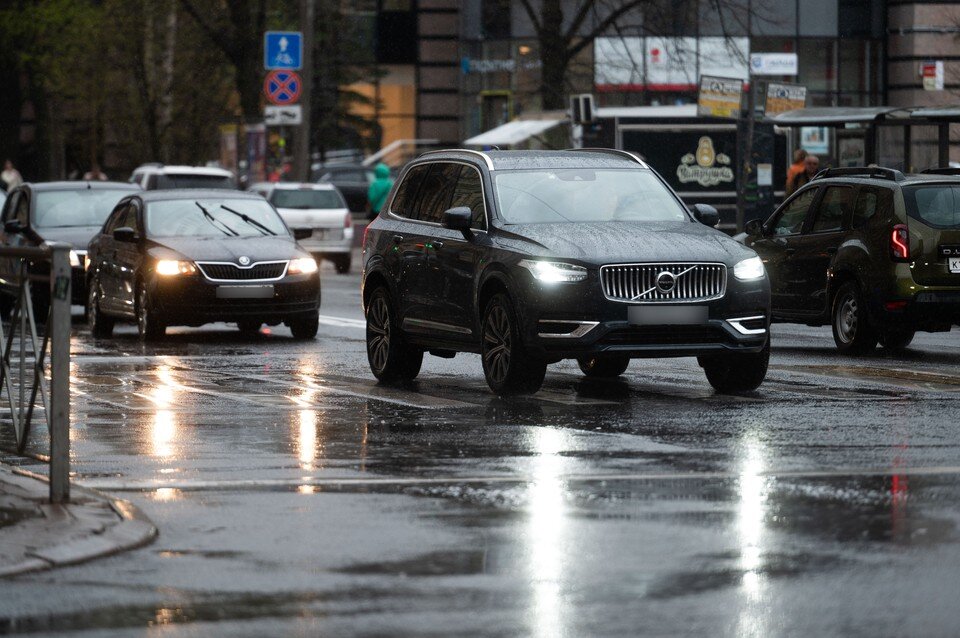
(36, 535)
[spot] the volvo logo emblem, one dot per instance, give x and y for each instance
(244, 261)
(666, 281)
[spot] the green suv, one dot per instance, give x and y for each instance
(870, 251)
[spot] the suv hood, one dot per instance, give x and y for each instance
(624, 242)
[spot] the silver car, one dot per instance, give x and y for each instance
(319, 208)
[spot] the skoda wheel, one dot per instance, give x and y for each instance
(736, 372)
(852, 330)
(389, 355)
(101, 326)
(305, 328)
(603, 367)
(509, 369)
(149, 324)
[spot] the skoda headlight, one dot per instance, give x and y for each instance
(554, 272)
(749, 269)
(302, 266)
(171, 267)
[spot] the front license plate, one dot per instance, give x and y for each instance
(954, 264)
(666, 315)
(244, 292)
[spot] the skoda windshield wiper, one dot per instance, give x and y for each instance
(223, 228)
(263, 229)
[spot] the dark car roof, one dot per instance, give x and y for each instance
(39, 187)
(196, 193)
(524, 160)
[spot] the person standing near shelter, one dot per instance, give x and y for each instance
(811, 165)
(795, 169)
(11, 176)
(379, 189)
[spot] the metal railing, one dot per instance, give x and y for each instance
(24, 350)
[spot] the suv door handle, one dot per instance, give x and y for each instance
(397, 239)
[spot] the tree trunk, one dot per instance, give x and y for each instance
(553, 54)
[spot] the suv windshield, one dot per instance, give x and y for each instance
(937, 205)
(307, 198)
(86, 207)
(194, 181)
(584, 195)
(213, 218)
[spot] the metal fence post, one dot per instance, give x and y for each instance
(58, 329)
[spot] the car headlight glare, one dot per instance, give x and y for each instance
(554, 272)
(302, 266)
(749, 269)
(171, 267)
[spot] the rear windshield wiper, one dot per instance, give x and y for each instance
(223, 228)
(263, 229)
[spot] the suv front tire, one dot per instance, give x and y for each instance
(508, 367)
(853, 331)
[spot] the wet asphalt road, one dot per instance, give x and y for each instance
(296, 497)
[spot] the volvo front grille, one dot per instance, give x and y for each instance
(664, 282)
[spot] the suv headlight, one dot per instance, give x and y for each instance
(749, 269)
(554, 271)
(302, 266)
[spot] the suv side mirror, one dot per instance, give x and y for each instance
(754, 227)
(706, 214)
(458, 218)
(302, 233)
(125, 234)
(12, 227)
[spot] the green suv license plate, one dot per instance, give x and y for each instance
(667, 315)
(954, 264)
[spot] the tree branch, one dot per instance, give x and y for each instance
(603, 25)
(532, 14)
(223, 41)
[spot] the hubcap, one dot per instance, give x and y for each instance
(846, 319)
(496, 343)
(378, 333)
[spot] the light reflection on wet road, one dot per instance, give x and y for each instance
(295, 496)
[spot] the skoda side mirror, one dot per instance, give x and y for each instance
(12, 227)
(458, 218)
(706, 214)
(125, 234)
(753, 228)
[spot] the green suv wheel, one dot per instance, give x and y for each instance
(852, 330)
(896, 339)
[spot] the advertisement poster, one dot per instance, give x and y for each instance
(815, 139)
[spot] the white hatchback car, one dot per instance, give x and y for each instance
(319, 208)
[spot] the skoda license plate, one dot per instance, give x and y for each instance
(666, 315)
(244, 292)
(954, 264)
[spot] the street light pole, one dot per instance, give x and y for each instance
(304, 140)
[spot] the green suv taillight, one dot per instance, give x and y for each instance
(900, 243)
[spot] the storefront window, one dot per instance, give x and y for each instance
(818, 65)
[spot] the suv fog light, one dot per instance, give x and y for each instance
(553, 271)
(749, 269)
(302, 266)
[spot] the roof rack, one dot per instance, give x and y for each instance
(486, 158)
(878, 172)
(944, 170)
(613, 151)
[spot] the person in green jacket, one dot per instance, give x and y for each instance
(379, 188)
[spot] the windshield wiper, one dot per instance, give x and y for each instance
(263, 229)
(223, 228)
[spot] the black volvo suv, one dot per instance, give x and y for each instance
(530, 257)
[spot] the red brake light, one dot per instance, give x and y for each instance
(900, 243)
(347, 221)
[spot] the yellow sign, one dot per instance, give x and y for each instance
(784, 97)
(719, 97)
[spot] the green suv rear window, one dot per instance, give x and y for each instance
(937, 205)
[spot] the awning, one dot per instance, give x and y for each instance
(938, 113)
(826, 115)
(512, 133)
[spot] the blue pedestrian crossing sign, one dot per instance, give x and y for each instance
(282, 50)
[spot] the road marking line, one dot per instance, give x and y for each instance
(343, 322)
(139, 486)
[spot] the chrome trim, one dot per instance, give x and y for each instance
(436, 325)
(614, 151)
(201, 264)
(627, 285)
(486, 158)
(584, 328)
(747, 331)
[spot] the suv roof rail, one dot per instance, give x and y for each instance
(878, 172)
(486, 158)
(613, 151)
(943, 170)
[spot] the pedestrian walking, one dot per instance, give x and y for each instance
(795, 169)
(811, 165)
(10, 175)
(95, 174)
(379, 189)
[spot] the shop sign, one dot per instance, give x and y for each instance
(773, 64)
(719, 97)
(705, 166)
(493, 65)
(932, 74)
(784, 97)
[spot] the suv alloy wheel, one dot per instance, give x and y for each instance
(391, 359)
(149, 325)
(506, 365)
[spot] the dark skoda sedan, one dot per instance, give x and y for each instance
(193, 257)
(531, 257)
